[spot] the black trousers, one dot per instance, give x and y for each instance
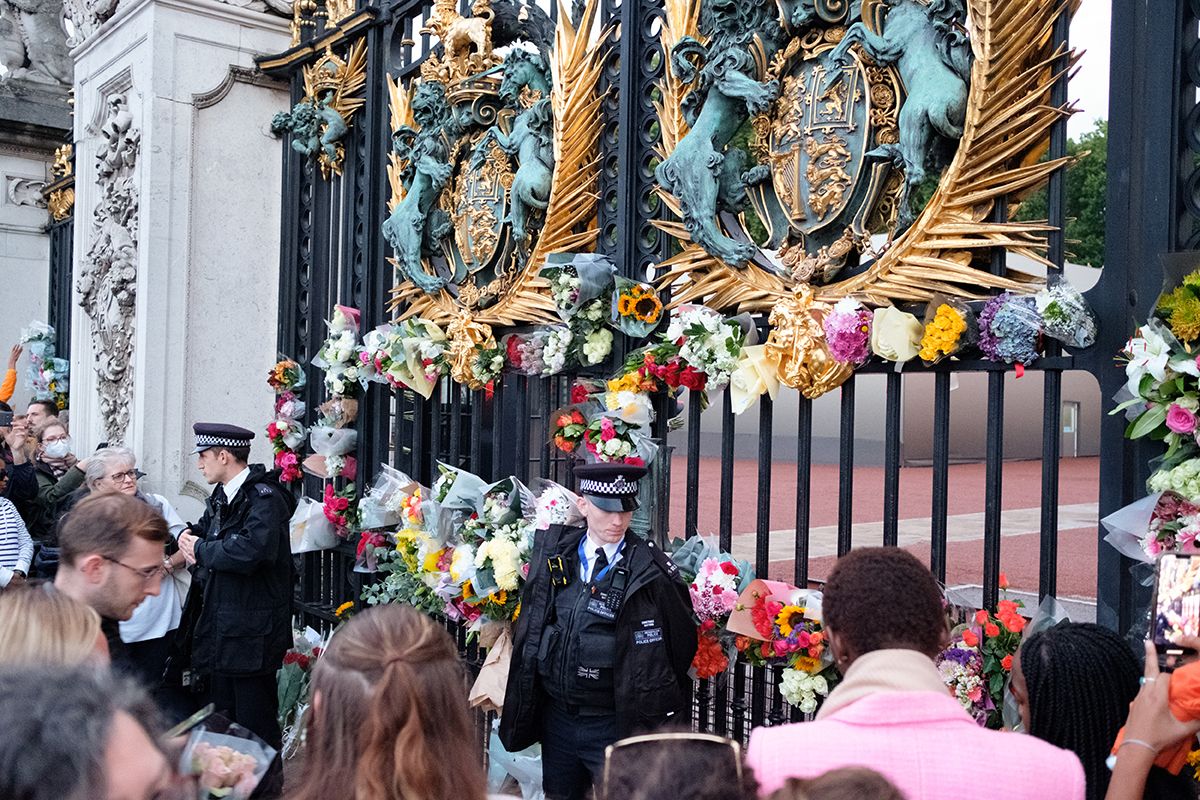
(252, 701)
(148, 659)
(573, 751)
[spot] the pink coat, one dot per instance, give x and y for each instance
(925, 744)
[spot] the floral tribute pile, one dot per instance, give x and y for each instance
(1161, 400)
(286, 431)
(333, 438)
(47, 376)
(715, 582)
(978, 663)
(460, 548)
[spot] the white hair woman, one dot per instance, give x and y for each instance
(148, 633)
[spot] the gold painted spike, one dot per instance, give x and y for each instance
(680, 18)
(1007, 127)
(348, 98)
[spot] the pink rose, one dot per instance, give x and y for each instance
(607, 431)
(1180, 420)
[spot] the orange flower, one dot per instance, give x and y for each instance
(1006, 608)
(710, 659)
(991, 629)
(1015, 623)
(1006, 662)
(816, 637)
(969, 638)
(741, 643)
(1003, 581)
(981, 616)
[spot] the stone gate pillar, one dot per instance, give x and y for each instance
(177, 228)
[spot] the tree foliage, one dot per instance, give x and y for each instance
(1086, 197)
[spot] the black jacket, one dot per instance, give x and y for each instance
(244, 571)
(650, 670)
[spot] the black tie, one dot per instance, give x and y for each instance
(601, 563)
(218, 505)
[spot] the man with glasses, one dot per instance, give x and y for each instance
(111, 557)
(604, 640)
(243, 570)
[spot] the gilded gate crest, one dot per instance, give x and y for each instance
(492, 155)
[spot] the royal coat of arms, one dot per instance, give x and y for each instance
(491, 155)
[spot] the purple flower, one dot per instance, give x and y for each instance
(848, 332)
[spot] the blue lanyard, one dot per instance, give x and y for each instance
(583, 560)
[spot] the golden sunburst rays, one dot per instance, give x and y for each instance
(576, 64)
(400, 106)
(1007, 129)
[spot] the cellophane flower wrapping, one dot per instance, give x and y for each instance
(715, 581)
(293, 686)
(949, 328)
(328, 441)
(848, 332)
(338, 356)
(228, 764)
(383, 504)
(978, 663)
(555, 505)
(557, 350)
(1066, 315)
(524, 352)
(577, 279)
(568, 423)
(708, 342)
(1010, 328)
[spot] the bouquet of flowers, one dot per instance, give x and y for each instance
(1162, 390)
(228, 764)
(611, 439)
(715, 581)
(848, 332)
(48, 377)
(948, 329)
(286, 377)
(636, 308)
(781, 624)
(557, 349)
(1066, 316)
(567, 427)
(409, 354)
(387, 502)
(488, 364)
(895, 335)
(1010, 329)
(338, 357)
(592, 341)
(341, 509)
(457, 488)
(977, 664)
(576, 279)
(555, 505)
(293, 681)
(525, 352)
(501, 565)
(707, 342)
(961, 668)
(286, 436)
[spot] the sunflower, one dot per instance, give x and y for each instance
(1185, 319)
(647, 307)
(789, 618)
(625, 304)
(807, 664)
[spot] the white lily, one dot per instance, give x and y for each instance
(1148, 355)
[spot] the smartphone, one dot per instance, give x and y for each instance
(190, 722)
(1176, 604)
(6, 419)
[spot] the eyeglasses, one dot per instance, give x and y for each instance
(121, 477)
(147, 574)
(628, 749)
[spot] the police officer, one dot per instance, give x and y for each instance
(604, 640)
(242, 561)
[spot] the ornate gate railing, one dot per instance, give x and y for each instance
(333, 253)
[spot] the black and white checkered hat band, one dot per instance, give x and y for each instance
(617, 488)
(219, 441)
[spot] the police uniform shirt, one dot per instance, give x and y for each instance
(235, 484)
(612, 551)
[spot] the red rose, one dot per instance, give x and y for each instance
(1006, 662)
(1015, 623)
(635, 461)
(981, 617)
(579, 393)
(692, 378)
(992, 629)
(969, 638)
(729, 568)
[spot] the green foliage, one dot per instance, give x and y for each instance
(1086, 197)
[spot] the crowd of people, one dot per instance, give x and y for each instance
(118, 618)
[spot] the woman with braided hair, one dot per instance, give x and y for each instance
(389, 717)
(1073, 684)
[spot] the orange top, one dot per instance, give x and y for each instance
(1184, 702)
(8, 386)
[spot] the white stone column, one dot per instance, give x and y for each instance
(206, 174)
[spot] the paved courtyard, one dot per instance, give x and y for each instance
(1019, 553)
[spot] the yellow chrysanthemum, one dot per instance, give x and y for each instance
(343, 608)
(789, 618)
(1193, 761)
(1185, 319)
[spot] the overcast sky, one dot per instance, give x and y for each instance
(1090, 32)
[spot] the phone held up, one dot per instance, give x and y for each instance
(1176, 607)
(6, 419)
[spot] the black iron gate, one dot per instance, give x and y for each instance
(333, 253)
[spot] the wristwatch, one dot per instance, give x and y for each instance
(167, 564)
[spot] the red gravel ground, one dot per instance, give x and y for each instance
(1021, 489)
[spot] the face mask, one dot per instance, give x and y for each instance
(57, 449)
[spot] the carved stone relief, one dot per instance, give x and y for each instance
(108, 273)
(25, 191)
(33, 46)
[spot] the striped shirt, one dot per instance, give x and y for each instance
(16, 546)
